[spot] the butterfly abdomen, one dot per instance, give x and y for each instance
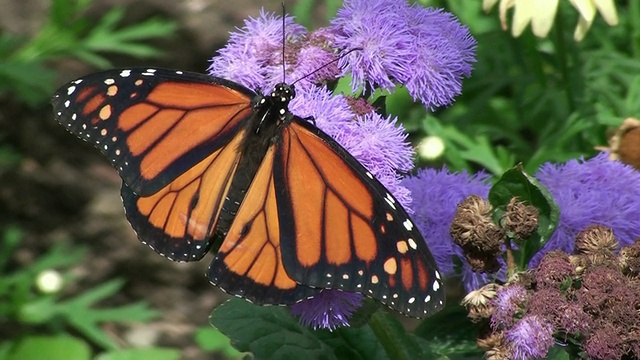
(262, 129)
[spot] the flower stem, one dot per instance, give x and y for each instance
(390, 337)
(511, 262)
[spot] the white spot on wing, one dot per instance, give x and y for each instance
(408, 224)
(390, 200)
(125, 73)
(436, 285)
(70, 90)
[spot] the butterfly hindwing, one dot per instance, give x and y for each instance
(340, 228)
(249, 262)
(180, 220)
(153, 124)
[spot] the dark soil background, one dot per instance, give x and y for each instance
(63, 190)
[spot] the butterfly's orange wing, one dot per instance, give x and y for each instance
(153, 124)
(249, 262)
(180, 220)
(340, 228)
(173, 136)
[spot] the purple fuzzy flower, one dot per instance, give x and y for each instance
(509, 301)
(330, 112)
(427, 50)
(445, 51)
(436, 194)
(378, 28)
(594, 191)
(255, 50)
(309, 63)
(530, 338)
(380, 144)
(330, 309)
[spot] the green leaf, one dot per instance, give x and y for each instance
(449, 332)
(11, 239)
(80, 314)
(29, 80)
(212, 340)
(39, 311)
(557, 353)
(268, 332)
(106, 37)
(135, 354)
(397, 343)
(515, 182)
(353, 343)
(50, 348)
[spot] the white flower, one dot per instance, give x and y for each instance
(541, 14)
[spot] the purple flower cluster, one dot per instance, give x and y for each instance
(588, 192)
(388, 42)
(438, 192)
(426, 50)
(530, 338)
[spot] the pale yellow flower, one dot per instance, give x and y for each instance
(541, 14)
(587, 10)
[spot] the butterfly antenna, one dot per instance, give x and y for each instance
(327, 64)
(284, 74)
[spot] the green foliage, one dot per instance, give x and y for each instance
(450, 333)
(515, 182)
(144, 353)
(212, 340)
(67, 33)
(533, 100)
(21, 302)
(62, 347)
(271, 333)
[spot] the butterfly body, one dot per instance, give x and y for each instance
(203, 158)
(262, 128)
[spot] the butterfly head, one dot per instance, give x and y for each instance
(281, 95)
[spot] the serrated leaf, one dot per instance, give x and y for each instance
(515, 182)
(268, 332)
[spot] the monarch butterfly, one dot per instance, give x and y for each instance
(203, 158)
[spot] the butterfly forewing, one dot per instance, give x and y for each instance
(153, 124)
(340, 228)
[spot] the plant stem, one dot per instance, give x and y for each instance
(385, 334)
